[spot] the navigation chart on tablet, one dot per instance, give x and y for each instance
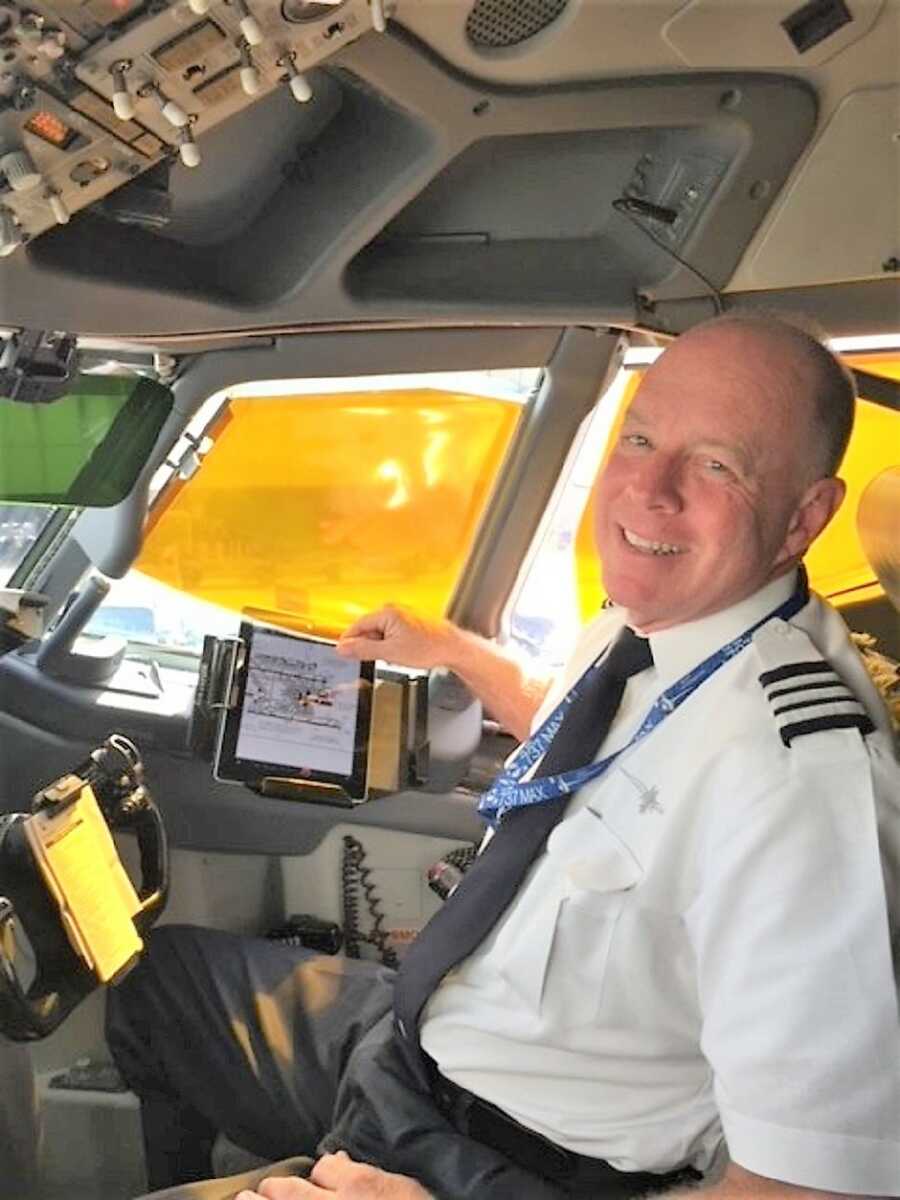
(301, 703)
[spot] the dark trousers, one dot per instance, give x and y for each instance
(218, 1033)
(288, 1054)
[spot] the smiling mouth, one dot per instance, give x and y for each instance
(660, 549)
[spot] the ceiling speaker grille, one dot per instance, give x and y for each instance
(493, 24)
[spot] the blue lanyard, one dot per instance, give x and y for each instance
(507, 790)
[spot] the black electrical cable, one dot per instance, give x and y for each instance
(356, 877)
(350, 900)
(625, 206)
(462, 857)
(445, 876)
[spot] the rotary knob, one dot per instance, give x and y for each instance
(20, 171)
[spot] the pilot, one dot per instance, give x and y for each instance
(672, 958)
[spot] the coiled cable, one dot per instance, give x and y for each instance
(356, 885)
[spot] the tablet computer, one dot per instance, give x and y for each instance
(296, 710)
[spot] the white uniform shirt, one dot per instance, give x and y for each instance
(703, 949)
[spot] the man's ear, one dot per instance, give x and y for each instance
(817, 506)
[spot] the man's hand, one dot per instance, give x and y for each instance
(338, 1177)
(398, 636)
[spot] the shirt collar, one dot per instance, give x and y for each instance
(677, 650)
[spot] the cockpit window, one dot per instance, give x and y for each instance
(316, 504)
(20, 527)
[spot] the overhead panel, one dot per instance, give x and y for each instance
(401, 190)
(93, 95)
(599, 190)
(719, 34)
(840, 217)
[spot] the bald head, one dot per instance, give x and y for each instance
(809, 380)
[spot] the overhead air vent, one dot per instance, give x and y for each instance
(496, 24)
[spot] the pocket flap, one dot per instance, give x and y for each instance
(592, 858)
(608, 872)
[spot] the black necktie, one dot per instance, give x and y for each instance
(494, 878)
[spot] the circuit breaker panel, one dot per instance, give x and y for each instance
(95, 92)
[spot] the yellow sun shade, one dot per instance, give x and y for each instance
(313, 510)
(837, 564)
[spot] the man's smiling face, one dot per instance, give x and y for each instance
(710, 490)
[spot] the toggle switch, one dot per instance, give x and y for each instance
(170, 109)
(250, 27)
(122, 101)
(58, 207)
(251, 80)
(296, 80)
(188, 149)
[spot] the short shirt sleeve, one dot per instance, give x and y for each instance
(796, 984)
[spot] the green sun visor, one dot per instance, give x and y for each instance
(85, 449)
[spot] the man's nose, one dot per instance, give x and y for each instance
(656, 483)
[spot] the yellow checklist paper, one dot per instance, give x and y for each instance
(78, 858)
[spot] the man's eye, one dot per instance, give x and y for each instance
(717, 467)
(635, 439)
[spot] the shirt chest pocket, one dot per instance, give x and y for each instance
(590, 874)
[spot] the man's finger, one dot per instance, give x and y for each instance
(364, 638)
(285, 1189)
(339, 1175)
(371, 625)
(332, 1171)
(360, 647)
